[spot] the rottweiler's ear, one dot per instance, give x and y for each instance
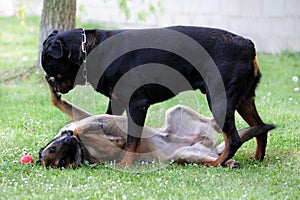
(56, 49)
(53, 33)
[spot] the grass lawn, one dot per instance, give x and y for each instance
(28, 121)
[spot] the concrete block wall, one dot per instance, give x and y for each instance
(274, 25)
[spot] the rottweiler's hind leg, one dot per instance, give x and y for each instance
(248, 112)
(231, 139)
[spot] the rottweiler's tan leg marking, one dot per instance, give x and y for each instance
(249, 113)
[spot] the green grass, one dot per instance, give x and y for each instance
(28, 121)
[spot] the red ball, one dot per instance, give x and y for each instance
(27, 159)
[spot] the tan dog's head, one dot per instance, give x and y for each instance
(64, 151)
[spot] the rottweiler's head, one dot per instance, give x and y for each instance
(61, 58)
(64, 151)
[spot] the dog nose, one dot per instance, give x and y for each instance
(67, 140)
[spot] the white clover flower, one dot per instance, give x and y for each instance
(296, 89)
(295, 79)
(25, 59)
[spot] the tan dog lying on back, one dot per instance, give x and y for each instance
(186, 137)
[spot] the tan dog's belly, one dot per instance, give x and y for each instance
(186, 135)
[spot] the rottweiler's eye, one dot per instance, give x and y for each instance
(52, 149)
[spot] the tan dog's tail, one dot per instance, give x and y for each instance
(253, 131)
(248, 133)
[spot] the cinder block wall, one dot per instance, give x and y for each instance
(274, 25)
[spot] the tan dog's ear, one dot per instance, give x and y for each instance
(39, 161)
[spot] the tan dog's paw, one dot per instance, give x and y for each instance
(122, 166)
(232, 164)
(52, 86)
(211, 164)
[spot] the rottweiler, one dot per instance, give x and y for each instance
(233, 55)
(186, 137)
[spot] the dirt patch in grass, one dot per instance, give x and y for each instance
(20, 74)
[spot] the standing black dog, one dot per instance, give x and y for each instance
(234, 56)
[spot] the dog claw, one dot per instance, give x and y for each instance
(51, 82)
(122, 166)
(52, 85)
(254, 157)
(210, 164)
(230, 163)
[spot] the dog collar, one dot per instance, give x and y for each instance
(84, 53)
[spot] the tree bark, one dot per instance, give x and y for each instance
(56, 14)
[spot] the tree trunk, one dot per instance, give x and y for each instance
(57, 14)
